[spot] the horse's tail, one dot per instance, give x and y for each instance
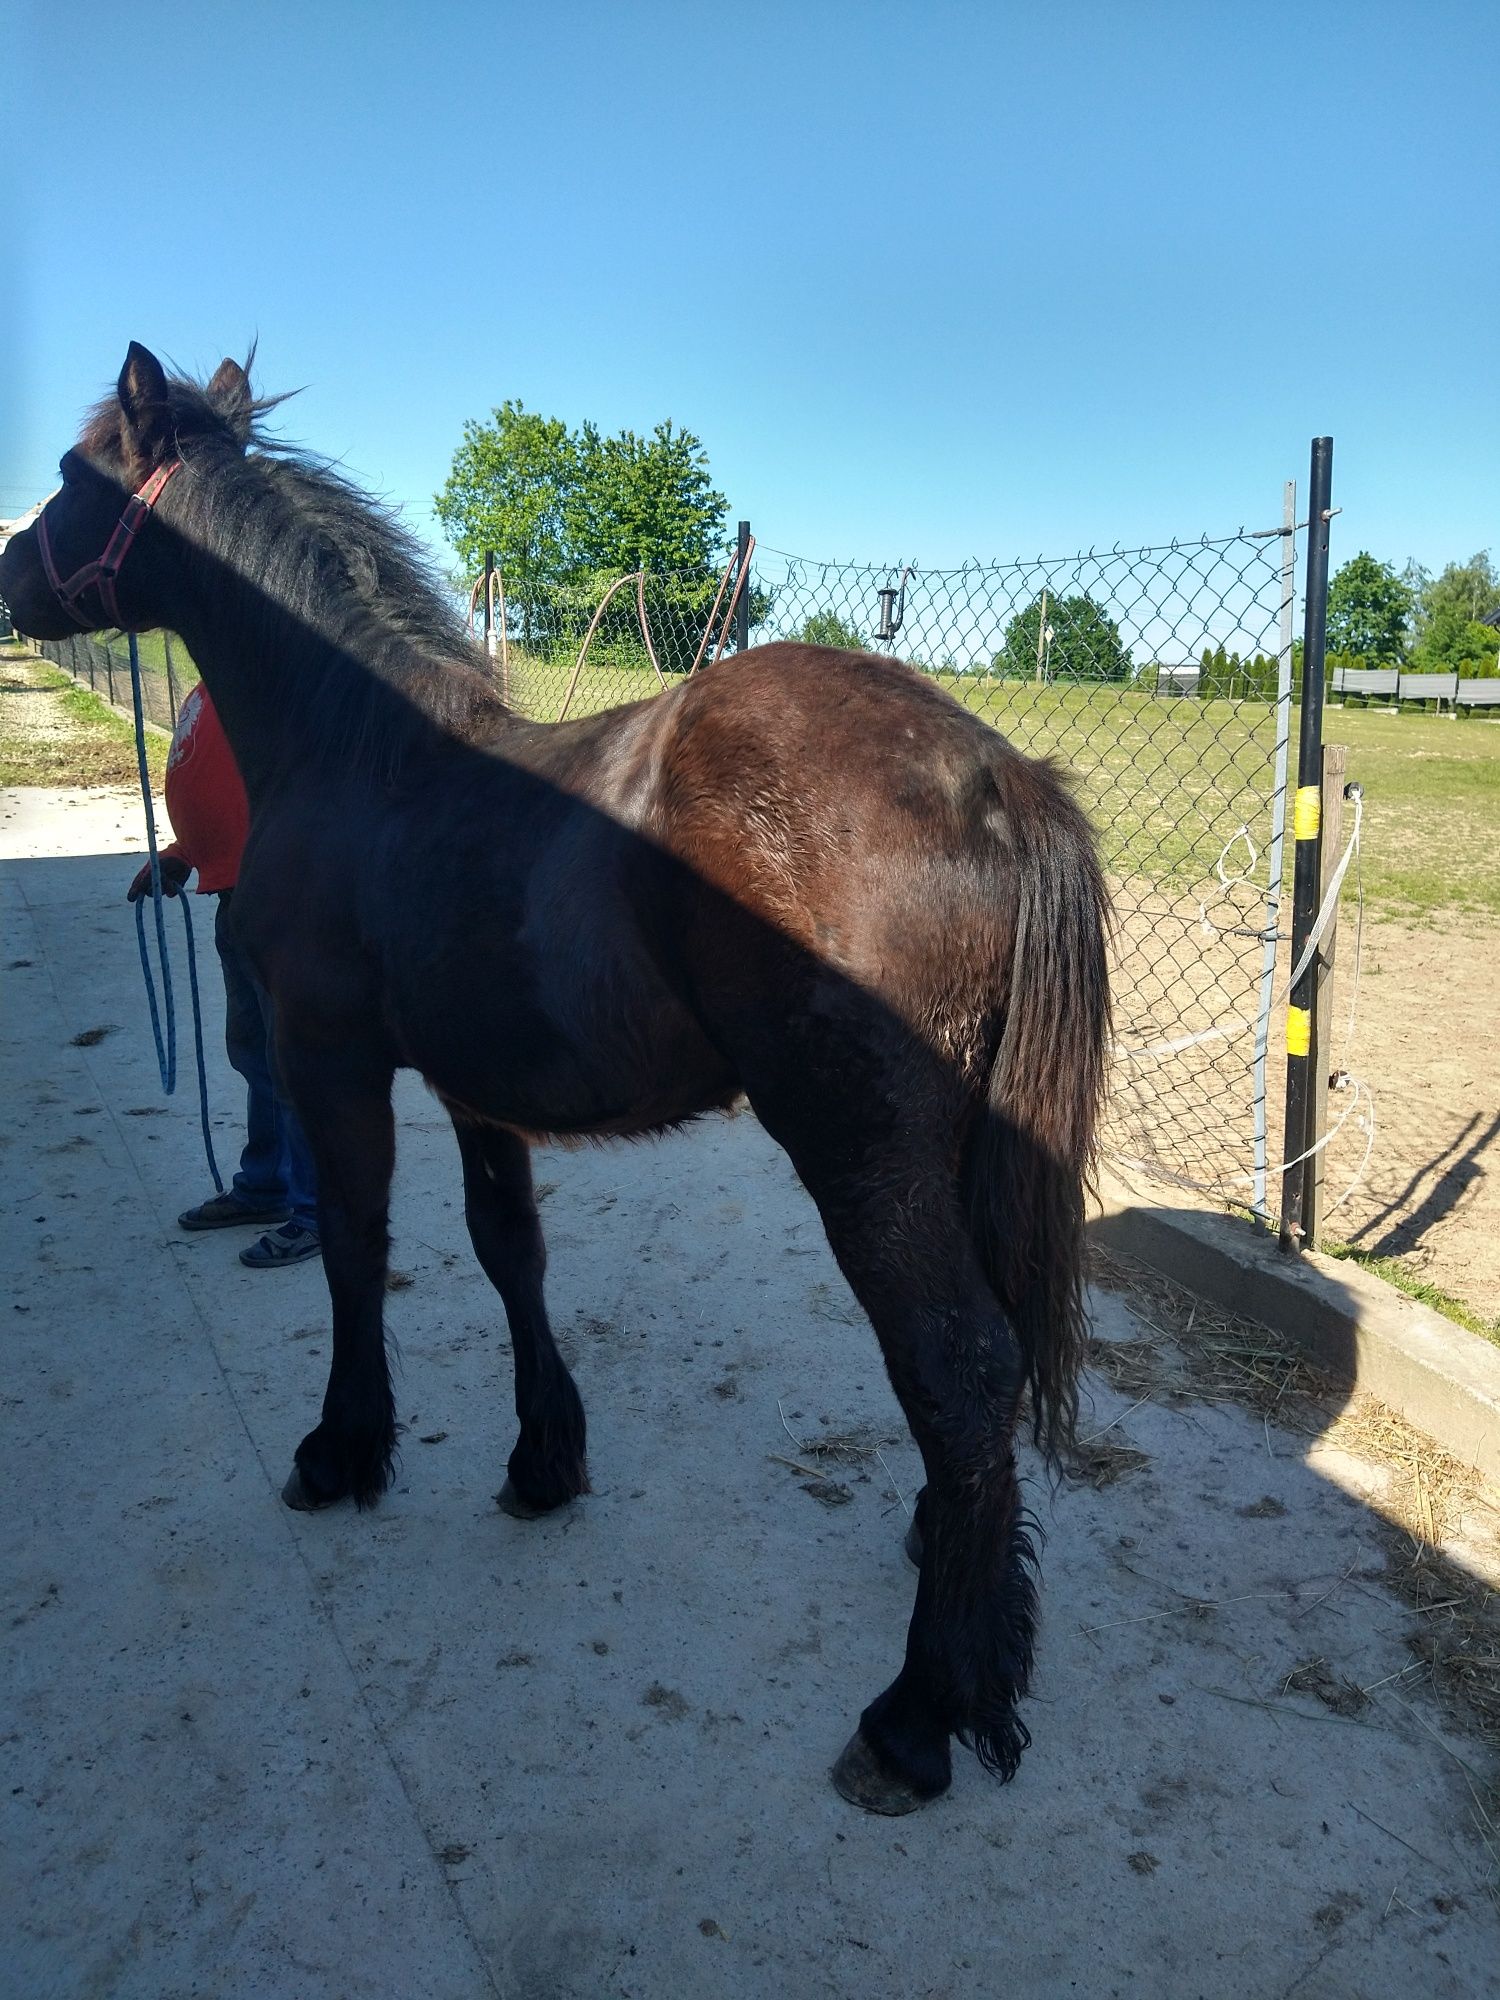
(1030, 1159)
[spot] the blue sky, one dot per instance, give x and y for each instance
(931, 281)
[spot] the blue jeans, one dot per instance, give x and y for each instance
(276, 1167)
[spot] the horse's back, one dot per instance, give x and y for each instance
(850, 803)
(846, 846)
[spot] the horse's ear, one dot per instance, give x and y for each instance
(143, 398)
(230, 394)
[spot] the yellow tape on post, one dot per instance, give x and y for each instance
(1307, 812)
(1298, 1031)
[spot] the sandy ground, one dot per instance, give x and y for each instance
(1427, 1191)
(433, 1751)
(42, 741)
(1425, 1039)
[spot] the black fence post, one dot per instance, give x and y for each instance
(1307, 821)
(1331, 834)
(742, 607)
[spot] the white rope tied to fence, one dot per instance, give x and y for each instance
(1229, 883)
(1225, 1031)
(1367, 1124)
(1343, 1080)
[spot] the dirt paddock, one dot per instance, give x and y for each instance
(1424, 1037)
(432, 1751)
(1422, 1001)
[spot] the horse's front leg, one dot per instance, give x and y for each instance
(547, 1467)
(344, 1099)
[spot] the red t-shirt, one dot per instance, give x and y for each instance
(206, 800)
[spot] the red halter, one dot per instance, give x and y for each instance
(103, 571)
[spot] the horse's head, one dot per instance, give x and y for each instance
(88, 561)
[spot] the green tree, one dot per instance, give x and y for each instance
(1224, 676)
(1452, 643)
(826, 628)
(1084, 643)
(1450, 638)
(566, 512)
(1369, 610)
(644, 503)
(511, 489)
(1472, 588)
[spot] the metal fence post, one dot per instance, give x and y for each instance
(742, 606)
(1306, 824)
(1335, 757)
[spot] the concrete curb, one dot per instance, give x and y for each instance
(1362, 1331)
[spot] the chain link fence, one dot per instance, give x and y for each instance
(1160, 678)
(101, 661)
(566, 652)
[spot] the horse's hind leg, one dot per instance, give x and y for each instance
(898, 1231)
(957, 1369)
(547, 1466)
(344, 1101)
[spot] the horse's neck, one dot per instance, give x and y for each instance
(246, 664)
(292, 693)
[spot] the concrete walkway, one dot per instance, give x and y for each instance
(434, 1751)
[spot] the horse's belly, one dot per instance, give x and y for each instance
(589, 1068)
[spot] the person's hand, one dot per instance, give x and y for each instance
(174, 872)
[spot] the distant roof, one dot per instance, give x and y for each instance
(1491, 617)
(9, 528)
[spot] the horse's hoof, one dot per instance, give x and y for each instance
(299, 1496)
(509, 1501)
(859, 1777)
(912, 1543)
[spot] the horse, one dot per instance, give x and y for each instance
(804, 878)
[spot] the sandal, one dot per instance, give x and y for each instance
(290, 1244)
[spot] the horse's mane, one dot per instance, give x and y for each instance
(338, 596)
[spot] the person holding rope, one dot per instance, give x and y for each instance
(210, 817)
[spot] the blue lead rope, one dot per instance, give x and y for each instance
(166, 1052)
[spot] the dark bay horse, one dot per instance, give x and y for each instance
(803, 876)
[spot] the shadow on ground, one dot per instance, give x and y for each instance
(588, 1756)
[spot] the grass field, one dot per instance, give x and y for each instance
(1425, 1293)
(53, 732)
(1432, 810)
(1169, 781)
